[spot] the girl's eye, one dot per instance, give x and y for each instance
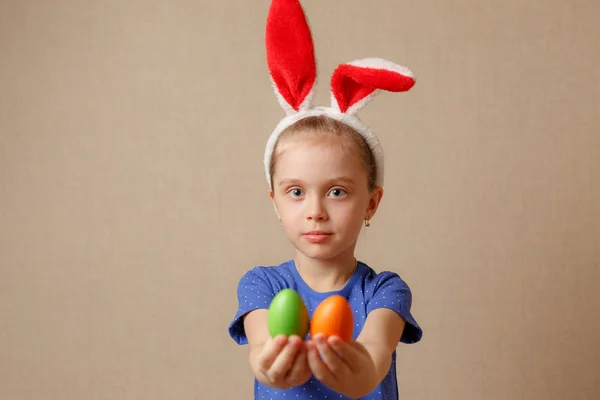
(337, 192)
(296, 192)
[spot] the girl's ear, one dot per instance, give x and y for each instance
(374, 201)
(272, 196)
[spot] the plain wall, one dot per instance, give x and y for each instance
(132, 194)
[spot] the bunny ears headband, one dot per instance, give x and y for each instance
(292, 68)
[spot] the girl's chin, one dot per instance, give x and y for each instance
(320, 252)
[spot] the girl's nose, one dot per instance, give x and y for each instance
(316, 211)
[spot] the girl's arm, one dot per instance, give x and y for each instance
(380, 336)
(256, 328)
(257, 332)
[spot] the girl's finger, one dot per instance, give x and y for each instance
(270, 351)
(318, 367)
(299, 366)
(283, 362)
(336, 365)
(351, 355)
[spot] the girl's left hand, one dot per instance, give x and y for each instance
(344, 367)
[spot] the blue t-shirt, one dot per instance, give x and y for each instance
(366, 291)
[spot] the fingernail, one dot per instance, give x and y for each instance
(281, 339)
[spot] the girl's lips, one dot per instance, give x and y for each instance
(317, 236)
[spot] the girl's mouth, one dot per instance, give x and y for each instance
(317, 236)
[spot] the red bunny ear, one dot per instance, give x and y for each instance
(290, 55)
(354, 84)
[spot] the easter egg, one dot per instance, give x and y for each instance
(288, 315)
(333, 317)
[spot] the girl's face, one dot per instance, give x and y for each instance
(321, 195)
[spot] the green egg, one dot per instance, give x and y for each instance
(288, 315)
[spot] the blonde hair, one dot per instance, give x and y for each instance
(348, 136)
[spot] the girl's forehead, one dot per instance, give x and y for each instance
(318, 162)
(333, 152)
(321, 142)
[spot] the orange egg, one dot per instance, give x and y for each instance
(333, 317)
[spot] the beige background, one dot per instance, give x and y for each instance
(132, 195)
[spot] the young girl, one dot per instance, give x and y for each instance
(325, 171)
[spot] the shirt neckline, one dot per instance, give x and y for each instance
(345, 291)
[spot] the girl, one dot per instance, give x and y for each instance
(325, 170)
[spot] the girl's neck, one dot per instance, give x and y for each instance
(326, 275)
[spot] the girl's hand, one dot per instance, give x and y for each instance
(344, 367)
(282, 363)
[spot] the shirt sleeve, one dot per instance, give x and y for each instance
(393, 293)
(253, 292)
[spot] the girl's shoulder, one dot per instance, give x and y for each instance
(386, 289)
(374, 279)
(275, 276)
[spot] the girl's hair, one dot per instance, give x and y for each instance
(325, 125)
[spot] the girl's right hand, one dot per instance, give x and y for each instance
(282, 363)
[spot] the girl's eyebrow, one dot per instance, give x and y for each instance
(290, 181)
(341, 179)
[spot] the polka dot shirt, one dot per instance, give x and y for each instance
(366, 291)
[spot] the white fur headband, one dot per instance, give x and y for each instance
(292, 68)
